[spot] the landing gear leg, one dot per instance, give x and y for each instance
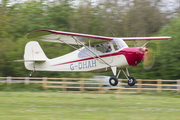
(113, 80)
(31, 74)
(131, 81)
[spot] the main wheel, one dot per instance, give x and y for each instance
(131, 81)
(113, 81)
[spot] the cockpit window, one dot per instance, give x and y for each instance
(100, 49)
(86, 53)
(115, 46)
(103, 48)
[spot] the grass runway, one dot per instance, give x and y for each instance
(86, 106)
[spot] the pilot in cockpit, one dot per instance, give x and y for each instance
(109, 49)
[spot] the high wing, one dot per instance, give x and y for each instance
(66, 37)
(81, 39)
(69, 37)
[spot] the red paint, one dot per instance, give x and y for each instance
(134, 55)
(36, 52)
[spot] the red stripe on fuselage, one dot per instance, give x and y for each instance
(102, 56)
(129, 53)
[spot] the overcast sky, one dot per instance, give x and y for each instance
(170, 4)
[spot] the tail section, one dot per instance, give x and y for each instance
(33, 52)
(34, 57)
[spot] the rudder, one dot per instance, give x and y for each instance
(33, 52)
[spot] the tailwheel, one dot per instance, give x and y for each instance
(31, 74)
(131, 81)
(113, 81)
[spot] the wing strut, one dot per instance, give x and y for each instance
(114, 68)
(91, 51)
(76, 48)
(146, 43)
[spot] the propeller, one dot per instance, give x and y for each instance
(149, 53)
(149, 59)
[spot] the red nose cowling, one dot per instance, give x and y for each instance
(134, 55)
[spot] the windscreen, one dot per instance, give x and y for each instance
(119, 43)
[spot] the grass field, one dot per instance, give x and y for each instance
(86, 106)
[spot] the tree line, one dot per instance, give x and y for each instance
(125, 18)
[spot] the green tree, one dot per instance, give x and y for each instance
(27, 17)
(132, 18)
(169, 55)
(143, 17)
(58, 16)
(5, 47)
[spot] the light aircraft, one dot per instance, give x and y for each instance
(93, 53)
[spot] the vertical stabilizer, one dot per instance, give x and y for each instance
(33, 52)
(34, 57)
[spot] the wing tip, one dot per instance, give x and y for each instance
(37, 33)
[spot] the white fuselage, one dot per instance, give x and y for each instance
(71, 62)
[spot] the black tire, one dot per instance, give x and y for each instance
(113, 81)
(30, 75)
(131, 81)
